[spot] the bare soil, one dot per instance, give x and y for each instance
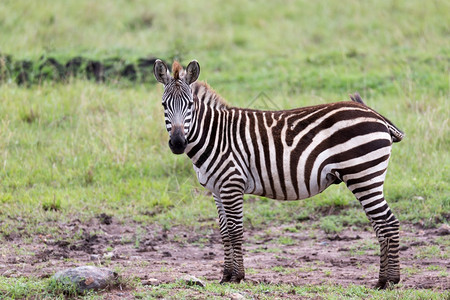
(279, 254)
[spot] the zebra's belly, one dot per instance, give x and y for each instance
(254, 185)
(287, 191)
(281, 197)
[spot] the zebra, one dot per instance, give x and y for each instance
(284, 155)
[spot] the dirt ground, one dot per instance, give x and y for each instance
(274, 255)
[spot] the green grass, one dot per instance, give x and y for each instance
(79, 149)
(23, 288)
(267, 291)
(434, 251)
(362, 247)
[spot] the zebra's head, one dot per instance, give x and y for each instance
(177, 100)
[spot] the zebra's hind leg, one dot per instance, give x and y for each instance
(228, 249)
(369, 191)
(387, 230)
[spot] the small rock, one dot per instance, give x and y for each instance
(403, 248)
(236, 296)
(150, 281)
(191, 280)
(86, 278)
(443, 230)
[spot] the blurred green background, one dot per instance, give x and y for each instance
(103, 146)
(78, 148)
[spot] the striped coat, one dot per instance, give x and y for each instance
(285, 155)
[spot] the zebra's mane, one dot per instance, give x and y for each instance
(177, 70)
(207, 95)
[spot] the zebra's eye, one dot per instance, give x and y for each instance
(164, 104)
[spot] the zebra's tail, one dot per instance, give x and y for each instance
(396, 134)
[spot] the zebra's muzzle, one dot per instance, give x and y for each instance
(177, 142)
(177, 145)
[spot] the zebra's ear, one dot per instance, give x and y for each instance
(192, 72)
(161, 72)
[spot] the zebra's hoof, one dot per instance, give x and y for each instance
(236, 278)
(394, 280)
(226, 278)
(381, 284)
(384, 284)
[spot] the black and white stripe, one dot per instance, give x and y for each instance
(286, 155)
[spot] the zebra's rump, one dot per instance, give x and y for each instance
(397, 134)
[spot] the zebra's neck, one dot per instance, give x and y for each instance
(209, 121)
(206, 95)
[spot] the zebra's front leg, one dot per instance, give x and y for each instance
(232, 202)
(228, 249)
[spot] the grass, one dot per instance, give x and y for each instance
(79, 149)
(362, 247)
(285, 240)
(330, 224)
(47, 289)
(21, 288)
(434, 251)
(266, 291)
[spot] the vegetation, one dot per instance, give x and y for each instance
(47, 289)
(75, 149)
